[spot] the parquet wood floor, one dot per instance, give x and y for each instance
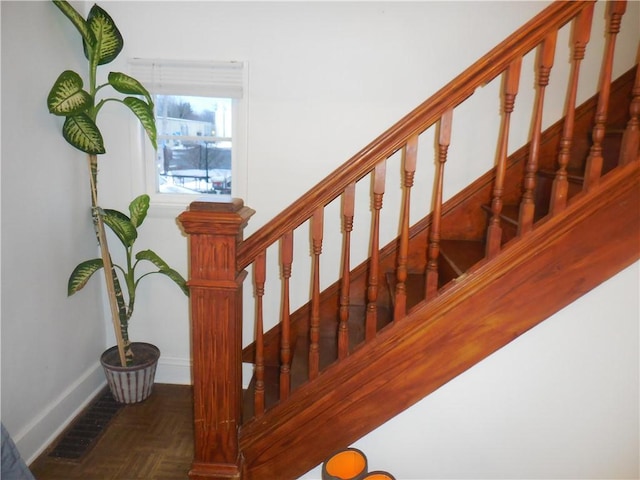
(152, 440)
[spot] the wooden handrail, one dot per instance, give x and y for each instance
(506, 59)
(526, 38)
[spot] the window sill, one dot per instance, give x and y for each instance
(170, 206)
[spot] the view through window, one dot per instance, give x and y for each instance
(194, 144)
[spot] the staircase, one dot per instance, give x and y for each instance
(548, 223)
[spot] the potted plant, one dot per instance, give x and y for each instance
(102, 42)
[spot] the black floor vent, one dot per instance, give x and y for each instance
(81, 436)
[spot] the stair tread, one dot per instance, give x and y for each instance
(328, 348)
(271, 387)
(462, 254)
(414, 285)
(328, 342)
(459, 255)
(574, 175)
(511, 213)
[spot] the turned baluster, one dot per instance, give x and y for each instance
(527, 206)
(494, 232)
(374, 258)
(347, 222)
(630, 149)
(259, 275)
(593, 170)
(433, 250)
(285, 341)
(410, 158)
(314, 328)
(581, 34)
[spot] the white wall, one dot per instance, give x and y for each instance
(50, 343)
(316, 71)
(561, 401)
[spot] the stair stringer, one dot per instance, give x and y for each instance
(564, 257)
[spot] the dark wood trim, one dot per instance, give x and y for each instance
(562, 259)
(528, 277)
(215, 230)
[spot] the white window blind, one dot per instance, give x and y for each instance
(180, 77)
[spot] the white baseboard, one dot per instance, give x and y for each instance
(174, 370)
(38, 434)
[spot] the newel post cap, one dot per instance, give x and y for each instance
(219, 216)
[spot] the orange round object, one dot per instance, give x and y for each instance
(348, 464)
(379, 476)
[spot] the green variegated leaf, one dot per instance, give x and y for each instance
(109, 41)
(81, 275)
(164, 269)
(145, 114)
(82, 132)
(67, 96)
(121, 225)
(138, 209)
(154, 258)
(178, 279)
(123, 83)
(77, 20)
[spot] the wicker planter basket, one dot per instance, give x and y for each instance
(131, 384)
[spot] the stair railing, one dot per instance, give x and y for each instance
(219, 255)
(581, 33)
(630, 149)
(593, 169)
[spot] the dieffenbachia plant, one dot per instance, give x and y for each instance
(102, 43)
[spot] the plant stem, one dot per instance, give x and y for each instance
(124, 348)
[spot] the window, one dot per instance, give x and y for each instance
(200, 126)
(195, 142)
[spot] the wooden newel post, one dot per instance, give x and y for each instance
(215, 232)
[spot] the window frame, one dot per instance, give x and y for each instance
(143, 70)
